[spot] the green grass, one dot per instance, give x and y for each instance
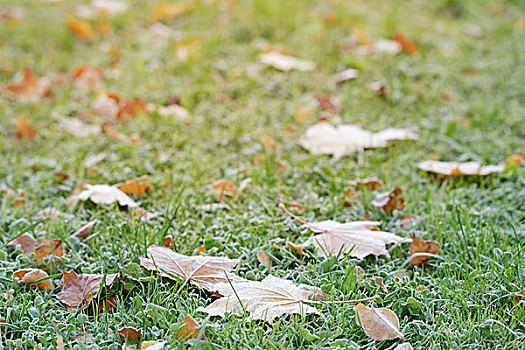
(467, 302)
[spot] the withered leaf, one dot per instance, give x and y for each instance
(264, 259)
(346, 75)
(378, 323)
(80, 28)
(202, 271)
(27, 276)
(389, 201)
(130, 335)
(264, 300)
(285, 62)
(24, 129)
(459, 169)
(78, 290)
(138, 189)
(370, 184)
(189, 330)
(421, 246)
(26, 241)
(48, 247)
(406, 44)
(106, 194)
(31, 87)
(166, 11)
(84, 231)
(324, 138)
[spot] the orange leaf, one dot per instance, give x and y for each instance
(24, 128)
(130, 335)
(359, 33)
(264, 259)
(166, 11)
(27, 276)
(48, 247)
(189, 329)
(408, 45)
(421, 246)
(80, 28)
(131, 108)
(135, 188)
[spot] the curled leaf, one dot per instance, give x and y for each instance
(26, 276)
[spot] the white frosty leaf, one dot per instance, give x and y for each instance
(285, 63)
(106, 194)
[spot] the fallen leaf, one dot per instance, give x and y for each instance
(385, 46)
(130, 109)
(152, 345)
(84, 231)
(106, 194)
(459, 169)
(2, 327)
(202, 271)
(264, 300)
(170, 111)
(408, 221)
(59, 340)
(189, 330)
(379, 88)
(106, 304)
(24, 129)
(304, 113)
(264, 259)
(404, 346)
(94, 160)
(78, 128)
(138, 189)
(130, 335)
(86, 77)
(31, 87)
(285, 63)
(346, 75)
(80, 28)
(406, 44)
(46, 248)
(106, 105)
(48, 213)
(324, 138)
(109, 7)
(297, 248)
(379, 281)
(369, 184)
(378, 323)
(269, 144)
(361, 36)
(223, 189)
(167, 11)
(516, 158)
(421, 246)
(78, 290)
(26, 242)
(389, 201)
(26, 276)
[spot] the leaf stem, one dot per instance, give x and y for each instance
(342, 301)
(283, 208)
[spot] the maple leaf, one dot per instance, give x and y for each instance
(26, 242)
(48, 247)
(26, 276)
(138, 189)
(389, 201)
(31, 87)
(130, 335)
(285, 62)
(324, 138)
(378, 323)
(202, 271)
(421, 246)
(106, 194)
(189, 329)
(459, 169)
(265, 300)
(355, 238)
(78, 290)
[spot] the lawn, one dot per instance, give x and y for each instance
(461, 92)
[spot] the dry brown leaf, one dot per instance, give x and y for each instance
(264, 300)
(269, 144)
(224, 190)
(324, 138)
(138, 189)
(421, 246)
(59, 340)
(46, 248)
(285, 62)
(369, 184)
(78, 290)
(304, 113)
(26, 241)
(361, 36)
(106, 305)
(516, 158)
(167, 11)
(80, 28)
(2, 327)
(389, 201)
(297, 248)
(106, 105)
(408, 220)
(378, 323)
(26, 276)
(24, 129)
(31, 87)
(189, 330)
(201, 271)
(130, 335)
(112, 133)
(130, 109)
(459, 169)
(264, 259)
(168, 241)
(406, 44)
(84, 231)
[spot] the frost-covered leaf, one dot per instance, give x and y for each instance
(324, 138)
(421, 246)
(460, 169)
(26, 276)
(106, 194)
(78, 290)
(202, 271)
(26, 242)
(265, 300)
(378, 323)
(285, 62)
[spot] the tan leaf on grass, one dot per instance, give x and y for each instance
(138, 189)
(113, 134)
(421, 246)
(78, 290)
(264, 300)
(31, 87)
(202, 271)
(408, 220)
(24, 129)
(109, 7)
(130, 335)
(324, 138)
(26, 242)
(406, 44)
(152, 345)
(106, 105)
(389, 201)
(46, 248)
(378, 323)
(78, 128)
(269, 144)
(189, 330)
(459, 169)
(170, 111)
(167, 11)
(84, 231)
(264, 259)
(26, 276)
(346, 75)
(285, 62)
(86, 77)
(80, 28)
(106, 194)
(224, 189)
